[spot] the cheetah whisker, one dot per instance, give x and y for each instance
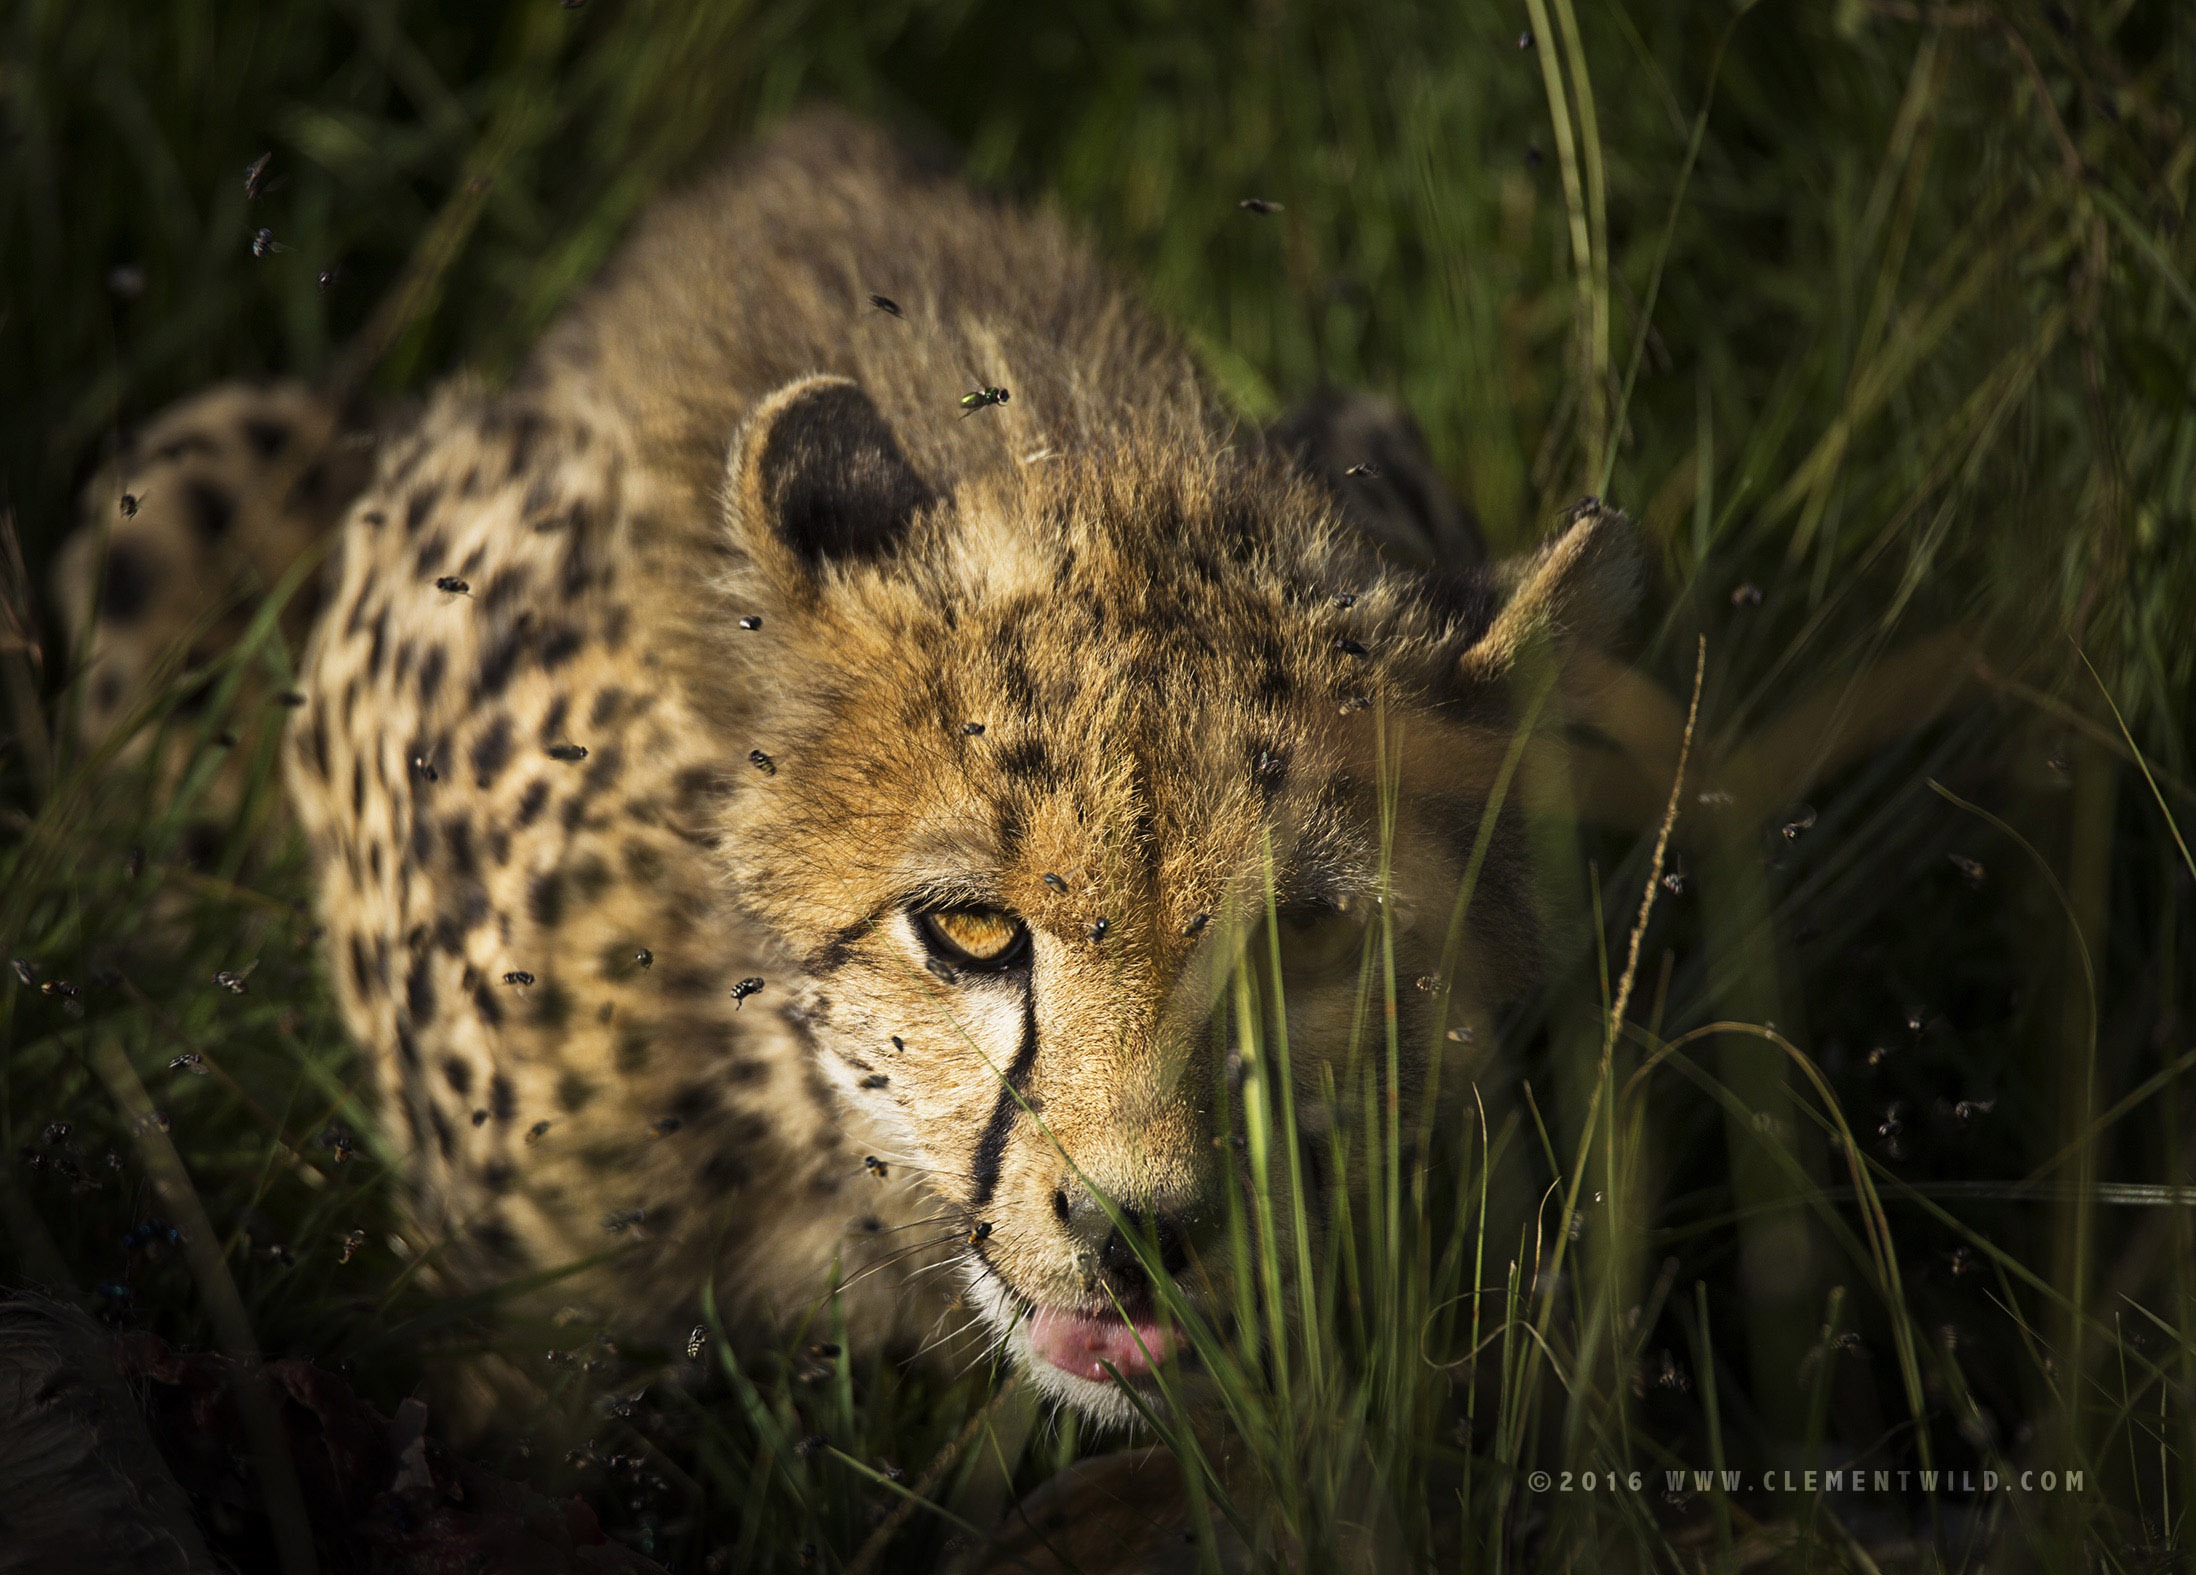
(892, 1258)
(935, 1219)
(914, 1168)
(991, 1352)
(947, 1338)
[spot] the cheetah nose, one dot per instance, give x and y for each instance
(1112, 1248)
(1117, 1255)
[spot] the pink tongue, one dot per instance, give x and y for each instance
(1080, 1343)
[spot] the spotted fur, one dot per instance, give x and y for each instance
(658, 696)
(182, 534)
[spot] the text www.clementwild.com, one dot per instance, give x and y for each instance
(1815, 1481)
(1886, 1481)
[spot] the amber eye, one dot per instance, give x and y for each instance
(989, 939)
(1321, 938)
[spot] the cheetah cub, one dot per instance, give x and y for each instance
(794, 776)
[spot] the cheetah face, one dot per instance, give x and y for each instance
(1069, 769)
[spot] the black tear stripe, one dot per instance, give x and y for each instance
(835, 953)
(991, 1147)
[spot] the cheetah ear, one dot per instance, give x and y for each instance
(1577, 591)
(816, 478)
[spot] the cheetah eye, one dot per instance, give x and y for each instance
(1321, 938)
(989, 940)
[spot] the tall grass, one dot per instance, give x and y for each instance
(1881, 317)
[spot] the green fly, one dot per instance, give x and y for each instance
(980, 399)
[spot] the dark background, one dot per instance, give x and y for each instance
(1883, 327)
